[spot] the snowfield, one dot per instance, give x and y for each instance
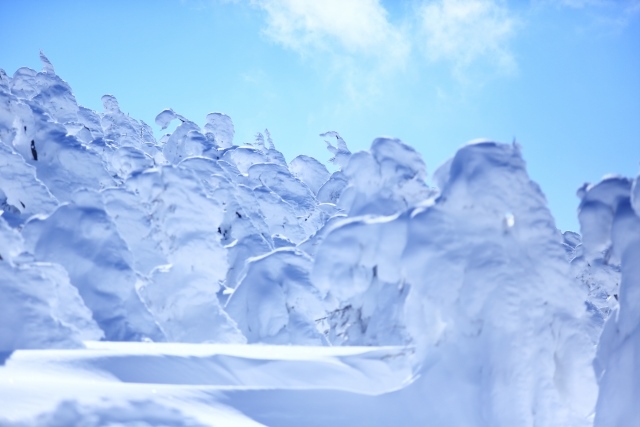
(189, 281)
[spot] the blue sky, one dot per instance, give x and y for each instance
(561, 76)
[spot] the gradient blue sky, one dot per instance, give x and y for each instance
(561, 76)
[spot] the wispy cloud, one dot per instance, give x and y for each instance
(356, 27)
(472, 37)
(464, 32)
(363, 44)
(609, 15)
(353, 42)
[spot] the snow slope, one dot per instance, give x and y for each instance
(465, 295)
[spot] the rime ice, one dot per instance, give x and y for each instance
(372, 298)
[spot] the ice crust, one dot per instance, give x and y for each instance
(108, 233)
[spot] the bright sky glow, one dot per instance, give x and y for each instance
(562, 77)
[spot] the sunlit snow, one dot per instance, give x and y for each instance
(190, 281)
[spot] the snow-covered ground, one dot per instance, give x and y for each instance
(194, 384)
(190, 281)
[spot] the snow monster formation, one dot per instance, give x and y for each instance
(107, 233)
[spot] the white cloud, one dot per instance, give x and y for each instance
(464, 32)
(356, 42)
(352, 41)
(338, 26)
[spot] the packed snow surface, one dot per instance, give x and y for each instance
(193, 281)
(201, 384)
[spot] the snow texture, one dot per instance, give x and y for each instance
(82, 238)
(39, 308)
(310, 171)
(474, 309)
(611, 229)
